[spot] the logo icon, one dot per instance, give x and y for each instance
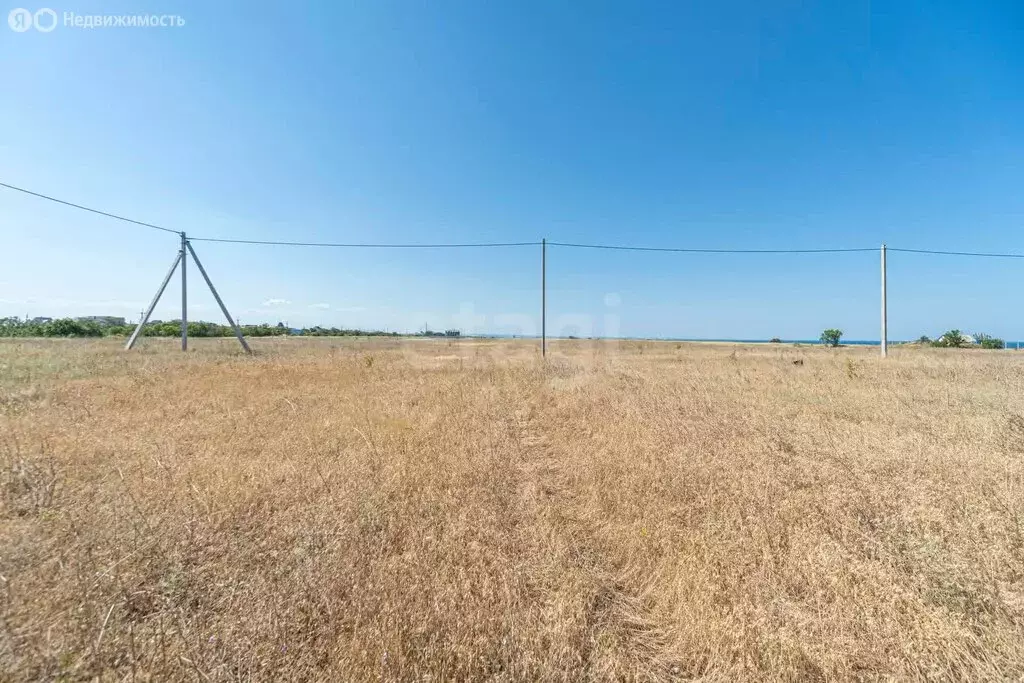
(45, 20)
(20, 20)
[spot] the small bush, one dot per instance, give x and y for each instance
(831, 337)
(774, 340)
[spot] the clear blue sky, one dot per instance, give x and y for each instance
(721, 125)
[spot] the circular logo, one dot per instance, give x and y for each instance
(46, 20)
(20, 20)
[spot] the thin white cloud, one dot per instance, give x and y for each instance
(351, 309)
(276, 302)
(320, 306)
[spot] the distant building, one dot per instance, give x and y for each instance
(966, 338)
(41, 320)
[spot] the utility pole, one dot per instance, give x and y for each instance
(544, 297)
(184, 295)
(885, 311)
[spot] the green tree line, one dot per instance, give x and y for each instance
(69, 327)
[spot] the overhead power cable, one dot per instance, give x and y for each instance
(957, 253)
(369, 246)
(471, 245)
(86, 208)
(708, 251)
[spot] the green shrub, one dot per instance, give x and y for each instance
(831, 337)
(66, 327)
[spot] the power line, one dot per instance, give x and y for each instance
(957, 253)
(86, 208)
(709, 251)
(573, 245)
(269, 242)
(368, 246)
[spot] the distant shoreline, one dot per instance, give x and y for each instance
(853, 342)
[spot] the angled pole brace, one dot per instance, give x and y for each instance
(223, 308)
(152, 304)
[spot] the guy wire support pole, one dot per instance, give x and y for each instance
(184, 295)
(213, 290)
(152, 304)
(544, 297)
(885, 311)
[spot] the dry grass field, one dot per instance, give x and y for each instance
(433, 510)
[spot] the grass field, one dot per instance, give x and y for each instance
(436, 510)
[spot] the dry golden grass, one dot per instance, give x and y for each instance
(382, 510)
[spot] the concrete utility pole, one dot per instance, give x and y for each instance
(544, 297)
(182, 257)
(184, 295)
(885, 311)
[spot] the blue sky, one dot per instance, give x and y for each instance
(718, 125)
